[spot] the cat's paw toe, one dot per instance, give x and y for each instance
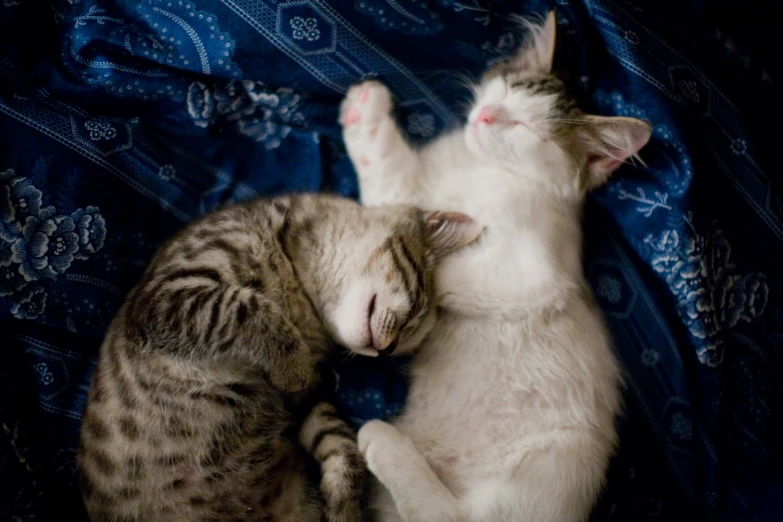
(367, 104)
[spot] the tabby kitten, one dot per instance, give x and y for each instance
(208, 397)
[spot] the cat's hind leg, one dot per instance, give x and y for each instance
(384, 161)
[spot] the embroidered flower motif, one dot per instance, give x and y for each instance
(91, 231)
(609, 288)
(689, 90)
(711, 296)
(201, 104)
(631, 37)
(7, 212)
(11, 279)
(239, 99)
(254, 110)
(100, 130)
(9, 227)
(5, 253)
(650, 357)
(264, 130)
(167, 172)
(739, 146)
(305, 28)
(681, 426)
(64, 460)
(18, 200)
(421, 124)
(47, 245)
(38, 243)
(30, 303)
(45, 377)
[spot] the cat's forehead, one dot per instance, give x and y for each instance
(534, 84)
(526, 90)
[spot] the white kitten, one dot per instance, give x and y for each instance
(511, 410)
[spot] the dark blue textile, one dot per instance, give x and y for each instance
(122, 120)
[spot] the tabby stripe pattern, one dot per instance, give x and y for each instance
(333, 443)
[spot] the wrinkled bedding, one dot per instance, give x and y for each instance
(121, 120)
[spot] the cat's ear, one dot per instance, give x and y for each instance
(611, 141)
(538, 51)
(449, 231)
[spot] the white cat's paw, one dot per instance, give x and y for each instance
(374, 431)
(365, 106)
(382, 445)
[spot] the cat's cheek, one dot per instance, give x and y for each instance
(418, 336)
(347, 322)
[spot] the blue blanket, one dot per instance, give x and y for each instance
(122, 120)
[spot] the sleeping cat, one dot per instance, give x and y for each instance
(511, 410)
(208, 397)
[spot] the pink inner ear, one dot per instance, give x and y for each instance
(606, 163)
(440, 216)
(614, 157)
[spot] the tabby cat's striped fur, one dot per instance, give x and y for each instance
(208, 397)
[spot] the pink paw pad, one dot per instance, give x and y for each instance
(374, 132)
(363, 96)
(364, 160)
(352, 116)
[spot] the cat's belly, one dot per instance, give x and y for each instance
(467, 414)
(485, 396)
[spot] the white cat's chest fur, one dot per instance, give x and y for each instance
(472, 396)
(453, 177)
(483, 392)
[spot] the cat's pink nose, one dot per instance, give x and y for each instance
(486, 115)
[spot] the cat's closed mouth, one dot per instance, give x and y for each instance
(374, 345)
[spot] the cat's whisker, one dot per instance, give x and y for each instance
(465, 106)
(575, 122)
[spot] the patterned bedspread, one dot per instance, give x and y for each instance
(121, 120)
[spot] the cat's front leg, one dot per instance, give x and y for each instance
(214, 321)
(384, 161)
(418, 493)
